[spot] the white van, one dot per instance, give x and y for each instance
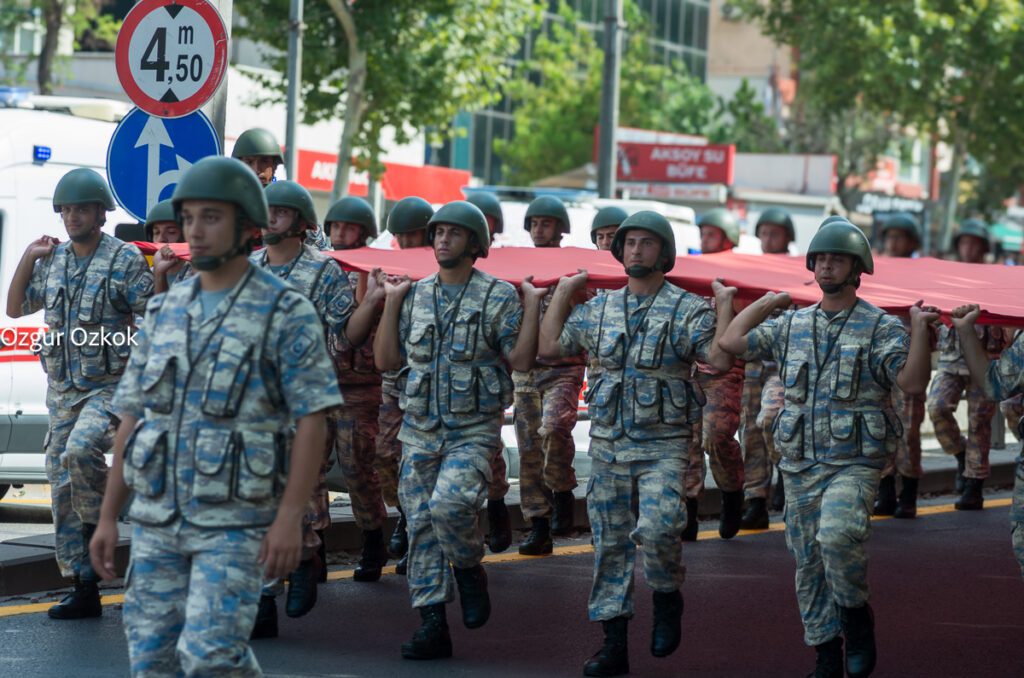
(37, 147)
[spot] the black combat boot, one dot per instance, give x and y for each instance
(961, 464)
(885, 501)
(668, 620)
(402, 566)
(399, 542)
(907, 504)
(499, 526)
(302, 587)
(732, 514)
(266, 619)
(756, 515)
(431, 640)
(538, 542)
(476, 603)
(859, 629)
(778, 498)
(84, 601)
(613, 657)
(374, 556)
(971, 499)
(692, 520)
(830, 659)
(562, 513)
(321, 553)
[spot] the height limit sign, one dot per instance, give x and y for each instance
(171, 55)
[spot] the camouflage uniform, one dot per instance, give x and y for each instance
(760, 403)
(1005, 379)
(318, 278)
(908, 451)
(456, 386)
(715, 433)
(318, 239)
(642, 409)
(949, 383)
(83, 305)
(1013, 410)
(216, 397)
(835, 434)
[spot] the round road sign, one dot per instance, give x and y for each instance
(171, 55)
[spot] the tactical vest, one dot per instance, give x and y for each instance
(213, 444)
(836, 409)
(354, 365)
(88, 321)
(644, 389)
(453, 375)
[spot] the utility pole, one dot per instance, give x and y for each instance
(295, 28)
(216, 109)
(609, 121)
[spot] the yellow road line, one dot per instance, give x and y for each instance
(573, 550)
(33, 502)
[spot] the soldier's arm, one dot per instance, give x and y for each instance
(917, 370)
(975, 355)
(561, 304)
(387, 354)
(19, 301)
(104, 540)
(734, 339)
(360, 324)
(724, 315)
(523, 354)
(138, 283)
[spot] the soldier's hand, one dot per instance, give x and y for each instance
(102, 547)
(531, 293)
(573, 283)
(966, 315)
(398, 288)
(778, 300)
(164, 260)
(281, 549)
(41, 247)
(376, 284)
(723, 295)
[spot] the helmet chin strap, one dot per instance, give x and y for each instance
(275, 237)
(214, 261)
(638, 271)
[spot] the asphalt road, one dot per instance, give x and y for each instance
(948, 597)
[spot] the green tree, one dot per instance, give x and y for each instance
(557, 96)
(744, 122)
(404, 64)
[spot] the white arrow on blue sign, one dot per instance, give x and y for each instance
(147, 156)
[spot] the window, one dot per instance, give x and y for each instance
(701, 41)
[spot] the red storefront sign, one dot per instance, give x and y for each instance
(672, 163)
(433, 184)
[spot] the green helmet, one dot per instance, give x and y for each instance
(548, 206)
(974, 227)
(902, 222)
(777, 216)
(81, 186)
(611, 215)
(841, 237)
(467, 215)
(354, 210)
(294, 195)
(162, 212)
(490, 206)
(723, 219)
(830, 219)
(257, 142)
(647, 221)
(409, 215)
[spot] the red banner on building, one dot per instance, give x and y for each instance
(677, 164)
(433, 184)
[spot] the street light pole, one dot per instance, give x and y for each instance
(606, 154)
(295, 28)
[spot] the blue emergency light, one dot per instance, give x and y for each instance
(41, 153)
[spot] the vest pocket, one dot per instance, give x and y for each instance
(464, 337)
(157, 384)
(875, 438)
(858, 434)
(214, 449)
(415, 398)
(611, 353)
(145, 461)
(789, 435)
(90, 304)
(652, 346)
(54, 304)
(794, 378)
(257, 472)
(646, 401)
(846, 377)
(680, 403)
(227, 379)
(602, 400)
(51, 355)
(420, 345)
(461, 389)
(495, 389)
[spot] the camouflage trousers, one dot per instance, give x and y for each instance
(389, 455)
(442, 491)
(354, 436)
(190, 600)
(716, 435)
(1017, 513)
(908, 450)
(943, 398)
(545, 415)
(1013, 410)
(828, 521)
(657, 489)
(760, 403)
(75, 443)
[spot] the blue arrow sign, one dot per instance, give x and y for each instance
(147, 156)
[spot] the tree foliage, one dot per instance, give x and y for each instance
(744, 122)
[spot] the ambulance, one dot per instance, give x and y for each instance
(41, 138)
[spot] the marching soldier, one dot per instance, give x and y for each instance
(161, 227)
(452, 329)
(604, 225)
(839, 359)
(350, 223)
(643, 407)
(1001, 380)
(491, 207)
(901, 237)
(762, 398)
(90, 289)
(546, 410)
(227, 363)
(952, 378)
